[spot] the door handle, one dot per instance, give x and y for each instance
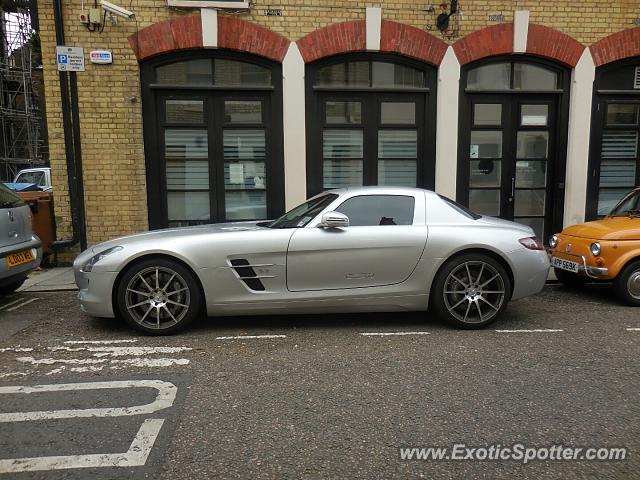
(513, 189)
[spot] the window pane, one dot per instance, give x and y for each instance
(609, 198)
(531, 174)
(349, 74)
(190, 72)
(397, 144)
(369, 210)
(622, 114)
(529, 202)
(486, 144)
(244, 174)
(187, 175)
(620, 144)
(490, 77)
(532, 144)
(398, 112)
(485, 202)
(232, 72)
(393, 75)
(243, 143)
(536, 223)
(617, 173)
(485, 173)
(399, 173)
(533, 77)
(185, 143)
(242, 111)
(188, 205)
(341, 173)
(534, 115)
(184, 111)
(487, 114)
(247, 205)
(343, 112)
(342, 143)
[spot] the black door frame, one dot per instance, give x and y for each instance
(315, 118)
(557, 174)
(272, 119)
(603, 95)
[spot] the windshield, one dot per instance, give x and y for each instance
(628, 207)
(8, 198)
(303, 214)
(31, 177)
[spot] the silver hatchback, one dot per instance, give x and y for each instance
(20, 249)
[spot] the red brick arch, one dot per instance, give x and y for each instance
(498, 40)
(615, 47)
(350, 36)
(185, 33)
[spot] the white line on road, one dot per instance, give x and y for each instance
(52, 361)
(26, 302)
(136, 455)
(633, 329)
(16, 349)
(14, 374)
(389, 334)
(535, 330)
(243, 337)
(149, 362)
(121, 351)
(10, 303)
(100, 342)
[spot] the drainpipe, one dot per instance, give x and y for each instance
(72, 148)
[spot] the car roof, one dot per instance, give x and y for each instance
(382, 190)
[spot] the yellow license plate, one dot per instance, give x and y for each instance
(19, 258)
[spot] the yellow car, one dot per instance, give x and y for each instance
(606, 249)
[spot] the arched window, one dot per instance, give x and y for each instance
(213, 138)
(370, 121)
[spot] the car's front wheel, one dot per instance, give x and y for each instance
(471, 291)
(158, 296)
(627, 284)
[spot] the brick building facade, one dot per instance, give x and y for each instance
(539, 141)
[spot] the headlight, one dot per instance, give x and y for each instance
(553, 241)
(596, 248)
(87, 267)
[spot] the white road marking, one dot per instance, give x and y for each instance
(100, 342)
(149, 362)
(243, 337)
(164, 399)
(10, 303)
(390, 334)
(121, 351)
(536, 330)
(633, 329)
(16, 349)
(55, 371)
(26, 302)
(52, 361)
(14, 374)
(90, 368)
(136, 455)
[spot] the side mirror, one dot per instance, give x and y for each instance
(334, 220)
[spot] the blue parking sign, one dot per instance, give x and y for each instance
(62, 59)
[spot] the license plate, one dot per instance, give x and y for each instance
(19, 258)
(567, 265)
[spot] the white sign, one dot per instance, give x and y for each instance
(101, 57)
(70, 59)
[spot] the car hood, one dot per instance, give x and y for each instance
(610, 228)
(499, 222)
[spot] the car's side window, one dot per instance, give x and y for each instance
(367, 210)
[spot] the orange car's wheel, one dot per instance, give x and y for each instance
(627, 284)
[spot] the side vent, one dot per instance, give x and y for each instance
(247, 274)
(636, 78)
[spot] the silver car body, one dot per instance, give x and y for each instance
(311, 269)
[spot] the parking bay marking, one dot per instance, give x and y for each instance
(139, 449)
(243, 337)
(634, 329)
(389, 334)
(20, 305)
(535, 330)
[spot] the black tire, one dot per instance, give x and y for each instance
(446, 292)
(140, 300)
(569, 279)
(11, 287)
(627, 284)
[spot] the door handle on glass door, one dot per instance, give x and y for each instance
(513, 189)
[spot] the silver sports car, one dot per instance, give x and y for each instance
(362, 249)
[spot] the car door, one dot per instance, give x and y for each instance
(381, 246)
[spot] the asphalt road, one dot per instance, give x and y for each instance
(316, 398)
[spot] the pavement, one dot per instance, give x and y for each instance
(50, 280)
(317, 396)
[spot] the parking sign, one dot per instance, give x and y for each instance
(70, 59)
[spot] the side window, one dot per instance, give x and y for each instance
(367, 210)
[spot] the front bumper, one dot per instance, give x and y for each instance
(95, 292)
(596, 273)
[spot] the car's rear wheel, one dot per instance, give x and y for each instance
(627, 284)
(569, 279)
(158, 296)
(471, 291)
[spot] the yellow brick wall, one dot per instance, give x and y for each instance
(110, 109)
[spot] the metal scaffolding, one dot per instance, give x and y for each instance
(22, 124)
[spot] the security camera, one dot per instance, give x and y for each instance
(117, 10)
